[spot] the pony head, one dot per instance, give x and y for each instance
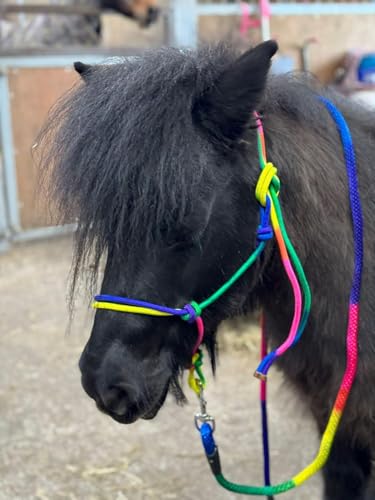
(156, 158)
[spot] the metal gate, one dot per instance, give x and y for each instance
(31, 81)
(29, 86)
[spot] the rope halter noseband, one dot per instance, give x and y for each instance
(271, 224)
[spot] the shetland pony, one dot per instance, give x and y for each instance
(156, 157)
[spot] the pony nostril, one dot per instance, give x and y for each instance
(117, 400)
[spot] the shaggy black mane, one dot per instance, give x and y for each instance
(124, 139)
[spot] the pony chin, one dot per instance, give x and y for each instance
(149, 415)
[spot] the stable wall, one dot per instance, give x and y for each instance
(335, 33)
(32, 92)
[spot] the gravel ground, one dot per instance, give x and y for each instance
(54, 444)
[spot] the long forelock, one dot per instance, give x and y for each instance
(121, 150)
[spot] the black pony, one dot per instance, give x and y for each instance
(156, 157)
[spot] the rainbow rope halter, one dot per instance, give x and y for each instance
(267, 190)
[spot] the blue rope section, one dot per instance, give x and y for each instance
(265, 439)
(140, 303)
(354, 196)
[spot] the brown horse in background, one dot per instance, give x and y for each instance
(145, 12)
(66, 29)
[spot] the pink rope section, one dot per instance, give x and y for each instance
(200, 329)
(297, 308)
(352, 357)
(284, 256)
(263, 354)
(246, 21)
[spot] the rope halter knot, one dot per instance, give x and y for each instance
(267, 179)
(193, 312)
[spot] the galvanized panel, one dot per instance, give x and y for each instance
(51, 61)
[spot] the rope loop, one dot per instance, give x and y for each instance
(265, 230)
(193, 311)
(264, 233)
(266, 179)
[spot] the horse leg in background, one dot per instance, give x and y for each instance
(347, 471)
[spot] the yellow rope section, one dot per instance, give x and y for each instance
(128, 309)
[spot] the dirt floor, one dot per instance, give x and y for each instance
(54, 444)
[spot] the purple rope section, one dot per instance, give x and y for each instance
(263, 408)
(140, 303)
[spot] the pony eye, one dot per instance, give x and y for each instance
(182, 238)
(180, 243)
(183, 241)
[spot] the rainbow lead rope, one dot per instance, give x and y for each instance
(267, 194)
(352, 341)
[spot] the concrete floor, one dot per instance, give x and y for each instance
(54, 444)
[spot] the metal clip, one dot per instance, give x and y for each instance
(203, 416)
(202, 401)
(200, 419)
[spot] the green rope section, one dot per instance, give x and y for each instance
(245, 266)
(274, 191)
(198, 363)
(255, 490)
(296, 263)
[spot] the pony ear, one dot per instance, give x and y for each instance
(82, 69)
(225, 109)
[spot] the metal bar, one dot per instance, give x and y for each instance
(4, 229)
(48, 61)
(222, 9)
(183, 23)
(291, 9)
(43, 232)
(66, 10)
(30, 58)
(21, 16)
(6, 141)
